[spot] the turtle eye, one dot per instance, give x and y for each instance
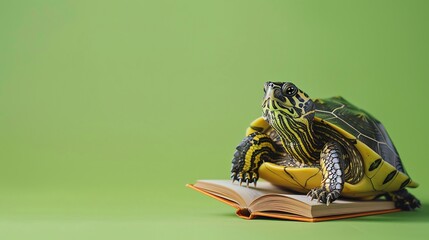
(289, 90)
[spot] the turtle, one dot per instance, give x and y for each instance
(327, 148)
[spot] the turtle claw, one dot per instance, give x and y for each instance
(233, 177)
(244, 178)
(311, 194)
(323, 196)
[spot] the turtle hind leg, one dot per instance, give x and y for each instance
(249, 156)
(332, 165)
(404, 200)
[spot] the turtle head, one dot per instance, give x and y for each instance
(290, 112)
(285, 100)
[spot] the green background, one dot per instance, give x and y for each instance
(108, 108)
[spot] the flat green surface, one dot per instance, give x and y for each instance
(108, 108)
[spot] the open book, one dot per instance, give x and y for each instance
(267, 200)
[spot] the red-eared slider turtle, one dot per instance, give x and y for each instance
(326, 147)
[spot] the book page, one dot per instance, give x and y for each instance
(267, 197)
(242, 195)
(303, 205)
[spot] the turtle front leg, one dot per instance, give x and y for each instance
(332, 165)
(255, 149)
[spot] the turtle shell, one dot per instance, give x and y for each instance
(361, 125)
(383, 169)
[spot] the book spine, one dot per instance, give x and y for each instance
(244, 213)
